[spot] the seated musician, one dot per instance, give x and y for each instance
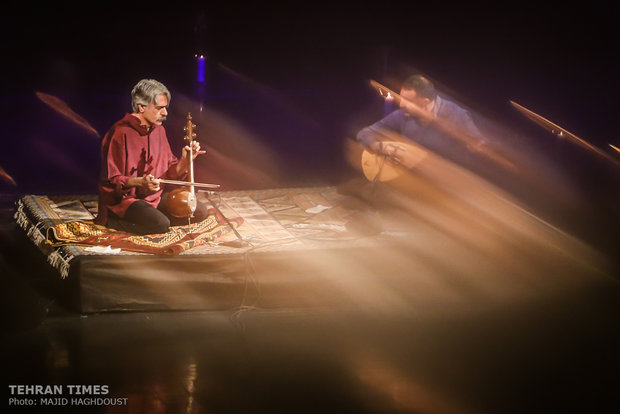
(135, 154)
(420, 117)
(424, 124)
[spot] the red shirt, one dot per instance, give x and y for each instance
(132, 150)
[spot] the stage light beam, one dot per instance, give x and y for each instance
(62, 108)
(6, 177)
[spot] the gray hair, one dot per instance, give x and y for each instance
(146, 91)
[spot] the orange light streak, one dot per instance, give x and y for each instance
(62, 108)
(561, 132)
(6, 177)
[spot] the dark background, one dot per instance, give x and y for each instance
(296, 74)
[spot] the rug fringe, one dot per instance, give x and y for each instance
(54, 258)
(59, 263)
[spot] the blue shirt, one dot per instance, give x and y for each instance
(429, 135)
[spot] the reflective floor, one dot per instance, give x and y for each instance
(556, 356)
(553, 350)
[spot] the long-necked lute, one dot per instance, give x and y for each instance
(182, 202)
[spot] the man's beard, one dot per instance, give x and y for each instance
(162, 119)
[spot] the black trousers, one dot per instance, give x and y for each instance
(142, 218)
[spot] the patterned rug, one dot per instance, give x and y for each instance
(268, 220)
(179, 239)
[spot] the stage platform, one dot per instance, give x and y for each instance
(256, 256)
(451, 241)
